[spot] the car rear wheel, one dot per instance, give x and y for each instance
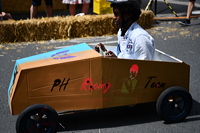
(174, 104)
(38, 118)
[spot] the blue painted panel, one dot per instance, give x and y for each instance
(52, 54)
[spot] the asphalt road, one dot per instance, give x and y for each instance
(180, 42)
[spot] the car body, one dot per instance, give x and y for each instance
(78, 78)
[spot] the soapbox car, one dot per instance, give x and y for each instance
(78, 78)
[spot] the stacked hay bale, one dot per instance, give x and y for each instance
(63, 27)
(146, 19)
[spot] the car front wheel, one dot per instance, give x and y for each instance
(38, 118)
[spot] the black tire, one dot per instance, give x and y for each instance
(174, 104)
(38, 118)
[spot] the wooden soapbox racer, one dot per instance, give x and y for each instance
(78, 78)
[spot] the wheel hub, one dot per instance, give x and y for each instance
(176, 106)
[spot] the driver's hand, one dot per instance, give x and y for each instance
(110, 54)
(101, 46)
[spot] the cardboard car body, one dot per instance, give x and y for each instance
(78, 78)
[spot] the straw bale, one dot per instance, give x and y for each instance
(63, 27)
(146, 19)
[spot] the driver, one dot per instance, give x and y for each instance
(133, 41)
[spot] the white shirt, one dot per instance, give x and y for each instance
(136, 44)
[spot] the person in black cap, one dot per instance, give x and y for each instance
(133, 41)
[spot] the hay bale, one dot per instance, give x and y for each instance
(63, 27)
(93, 25)
(146, 19)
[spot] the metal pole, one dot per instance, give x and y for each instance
(170, 8)
(155, 7)
(149, 3)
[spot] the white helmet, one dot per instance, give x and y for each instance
(135, 11)
(136, 3)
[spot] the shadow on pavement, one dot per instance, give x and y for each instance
(116, 117)
(108, 118)
(195, 109)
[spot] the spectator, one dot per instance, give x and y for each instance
(73, 3)
(37, 3)
(133, 41)
(3, 15)
(186, 22)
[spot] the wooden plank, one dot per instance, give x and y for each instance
(174, 18)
